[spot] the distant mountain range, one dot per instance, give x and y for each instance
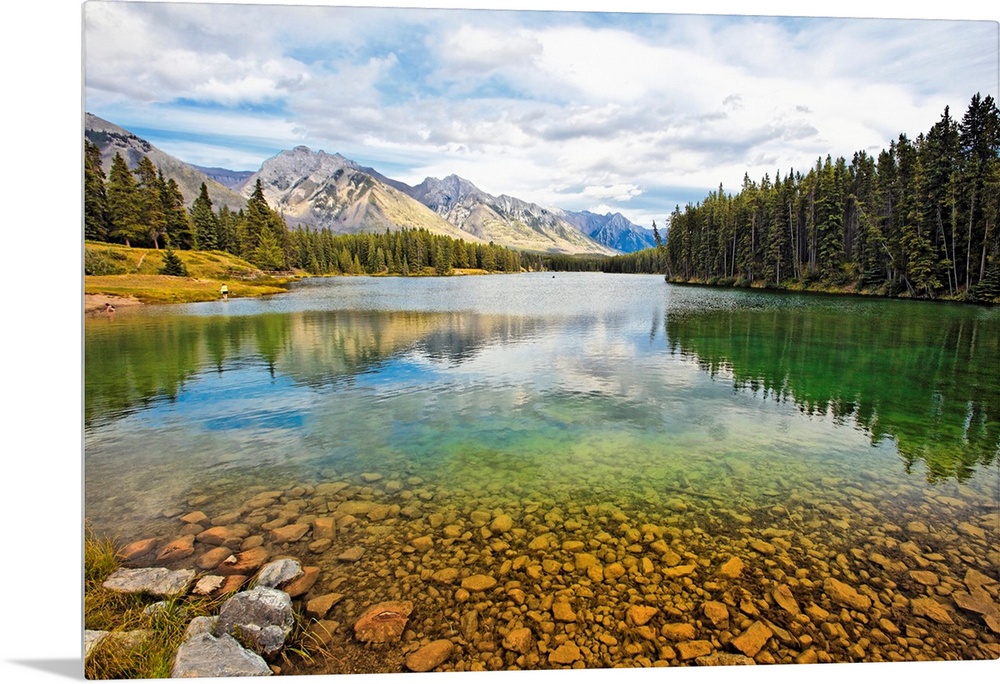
(320, 190)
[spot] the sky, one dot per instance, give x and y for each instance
(634, 112)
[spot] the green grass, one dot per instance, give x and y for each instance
(151, 657)
(121, 271)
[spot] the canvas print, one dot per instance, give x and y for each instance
(460, 340)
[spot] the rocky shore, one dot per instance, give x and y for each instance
(391, 573)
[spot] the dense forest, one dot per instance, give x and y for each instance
(139, 207)
(918, 220)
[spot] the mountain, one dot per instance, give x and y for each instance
(231, 179)
(323, 190)
(503, 219)
(612, 230)
(110, 139)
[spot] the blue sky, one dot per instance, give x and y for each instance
(630, 112)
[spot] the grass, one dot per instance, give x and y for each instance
(150, 654)
(122, 271)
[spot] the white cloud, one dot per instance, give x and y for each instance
(535, 105)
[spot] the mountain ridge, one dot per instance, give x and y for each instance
(320, 190)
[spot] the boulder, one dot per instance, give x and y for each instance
(153, 581)
(204, 655)
(277, 572)
(261, 618)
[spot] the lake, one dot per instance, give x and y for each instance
(588, 443)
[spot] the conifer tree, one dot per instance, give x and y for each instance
(206, 223)
(123, 203)
(95, 199)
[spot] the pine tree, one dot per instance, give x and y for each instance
(150, 201)
(177, 222)
(95, 199)
(172, 264)
(206, 223)
(123, 203)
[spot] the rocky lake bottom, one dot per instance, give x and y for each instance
(502, 576)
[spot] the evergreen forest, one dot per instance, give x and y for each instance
(919, 220)
(140, 208)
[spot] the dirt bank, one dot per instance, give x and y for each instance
(97, 303)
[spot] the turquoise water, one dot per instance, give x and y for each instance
(725, 415)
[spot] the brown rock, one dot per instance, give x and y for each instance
(688, 650)
(717, 613)
(567, 654)
(216, 536)
(784, 598)
(845, 595)
(925, 577)
(231, 584)
(423, 544)
(138, 549)
(244, 563)
(584, 561)
(194, 518)
(563, 612)
(383, 622)
(211, 559)
(678, 631)
(324, 528)
(679, 571)
(430, 656)
(929, 608)
(318, 607)
(303, 583)
(761, 546)
(478, 583)
(724, 659)
(732, 568)
(352, 554)
(320, 545)
(519, 640)
(640, 615)
(445, 575)
(289, 533)
(974, 578)
(501, 524)
(614, 572)
(177, 549)
(753, 639)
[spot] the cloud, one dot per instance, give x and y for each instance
(586, 109)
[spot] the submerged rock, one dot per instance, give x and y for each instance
(383, 622)
(430, 656)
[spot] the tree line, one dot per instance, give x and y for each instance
(920, 220)
(140, 207)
